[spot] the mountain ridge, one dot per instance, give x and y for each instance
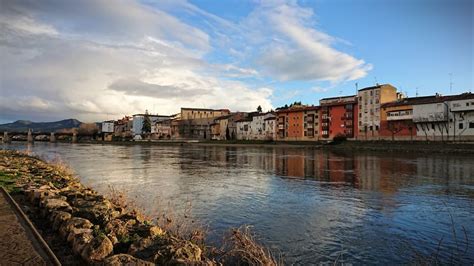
(24, 125)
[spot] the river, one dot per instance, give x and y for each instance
(311, 206)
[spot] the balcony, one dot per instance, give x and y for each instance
(400, 117)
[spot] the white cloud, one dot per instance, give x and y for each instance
(293, 49)
(93, 59)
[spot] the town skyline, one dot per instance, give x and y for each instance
(94, 61)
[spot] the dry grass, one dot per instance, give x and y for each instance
(241, 248)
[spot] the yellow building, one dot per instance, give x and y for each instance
(370, 99)
(202, 113)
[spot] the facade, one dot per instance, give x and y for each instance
(254, 127)
(123, 128)
(445, 118)
(202, 113)
(162, 129)
(270, 127)
(195, 123)
(339, 117)
(298, 123)
(107, 126)
(138, 122)
(462, 117)
(370, 99)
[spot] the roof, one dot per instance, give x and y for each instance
(298, 109)
(150, 115)
(247, 119)
(270, 118)
(375, 87)
(223, 117)
(205, 109)
(429, 99)
(338, 103)
(338, 97)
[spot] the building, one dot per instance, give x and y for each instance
(462, 117)
(123, 128)
(270, 127)
(202, 113)
(445, 118)
(396, 118)
(298, 123)
(107, 130)
(138, 122)
(338, 117)
(370, 99)
(162, 129)
(254, 126)
(195, 123)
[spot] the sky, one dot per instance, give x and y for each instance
(102, 59)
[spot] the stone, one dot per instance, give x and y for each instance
(99, 212)
(116, 228)
(125, 259)
(60, 218)
(74, 222)
(177, 251)
(56, 204)
(140, 245)
(78, 231)
(80, 241)
(97, 249)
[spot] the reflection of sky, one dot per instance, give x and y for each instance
(312, 205)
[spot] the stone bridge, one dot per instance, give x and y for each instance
(30, 135)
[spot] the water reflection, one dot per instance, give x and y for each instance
(312, 205)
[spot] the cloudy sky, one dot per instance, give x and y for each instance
(102, 59)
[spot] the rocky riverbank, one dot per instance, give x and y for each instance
(82, 226)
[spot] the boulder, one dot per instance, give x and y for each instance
(98, 249)
(60, 218)
(125, 259)
(99, 212)
(80, 241)
(72, 223)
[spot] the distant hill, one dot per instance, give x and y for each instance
(24, 125)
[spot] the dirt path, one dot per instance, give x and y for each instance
(18, 245)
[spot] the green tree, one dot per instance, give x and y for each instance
(227, 133)
(146, 127)
(259, 109)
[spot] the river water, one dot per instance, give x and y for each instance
(311, 206)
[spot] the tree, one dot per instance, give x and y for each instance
(146, 127)
(259, 109)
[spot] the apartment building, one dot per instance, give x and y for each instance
(338, 117)
(370, 99)
(298, 123)
(138, 122)
(254, 127)
(195, 123)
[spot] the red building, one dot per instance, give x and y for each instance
(339, 117)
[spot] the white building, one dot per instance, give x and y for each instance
(446, 118)
(256, 127)
(107, 127)
(138, 122)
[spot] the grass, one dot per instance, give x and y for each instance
(8, 181)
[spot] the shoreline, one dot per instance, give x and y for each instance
(349, 146)
(82, 226)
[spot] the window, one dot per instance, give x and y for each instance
(432, 126)
(461, 125)
(376, 128)
(471, 124)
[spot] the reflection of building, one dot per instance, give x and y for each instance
(338, 117)
(370, 99)
(298, 123)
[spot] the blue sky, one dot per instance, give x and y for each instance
(102, 59)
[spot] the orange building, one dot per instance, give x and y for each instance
(298, 123)
(339, 117)
(396, 118)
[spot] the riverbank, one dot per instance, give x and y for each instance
(84, 227)
(353, 146)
